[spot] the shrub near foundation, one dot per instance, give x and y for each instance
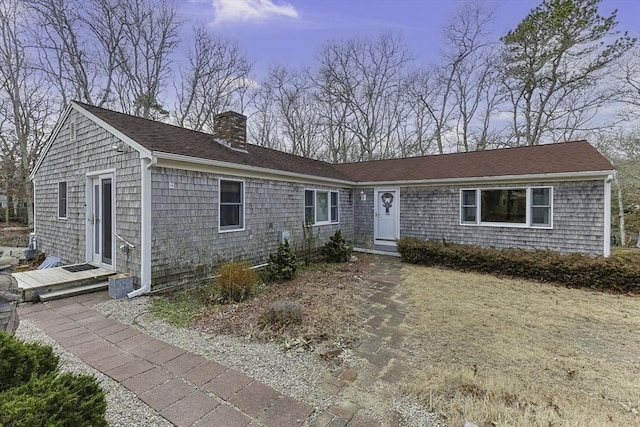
(235, 282)
(573, 270)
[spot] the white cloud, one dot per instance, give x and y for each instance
(250, 10)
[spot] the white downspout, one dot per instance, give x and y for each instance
(145, 227)
(607, 215)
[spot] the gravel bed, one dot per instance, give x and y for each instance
(124, 409)
(298, 375)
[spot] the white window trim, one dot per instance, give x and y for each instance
(526, 224)
(66, 198)
(315, 206)
(244, 201)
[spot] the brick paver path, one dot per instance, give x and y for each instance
(183, 387)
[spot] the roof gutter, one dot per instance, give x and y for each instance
(573, 176)
(247, 168)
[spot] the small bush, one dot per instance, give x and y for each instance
(235, 282)
(19, 361)
(32, 393)
(336, 249)
(282, 265)
(573, 270)
(54, 400)
(281, 313)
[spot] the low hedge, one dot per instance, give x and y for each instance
(573, 270)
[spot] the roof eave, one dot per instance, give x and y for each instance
(246, 168)
(565, 176)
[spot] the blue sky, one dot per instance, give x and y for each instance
(290, 32)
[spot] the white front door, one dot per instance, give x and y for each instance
(100, 220)
(386, 225)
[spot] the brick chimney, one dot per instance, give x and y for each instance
(230, 129)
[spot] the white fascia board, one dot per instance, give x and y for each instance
(562, 176)
(144, 153)
(178, 161)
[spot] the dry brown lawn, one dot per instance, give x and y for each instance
(501, 352)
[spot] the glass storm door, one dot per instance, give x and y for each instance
(386, 215)
(101, 215)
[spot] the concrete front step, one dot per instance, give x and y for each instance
(74, 291)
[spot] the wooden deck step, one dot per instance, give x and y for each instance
(37, 283)
(72, 292)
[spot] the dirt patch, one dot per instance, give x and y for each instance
(14, 235)
(511, 352)
(330, 308)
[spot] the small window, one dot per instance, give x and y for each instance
(541, 207)
(62, 200)
(231, 205)
(469, 207)
(334, 206)
(321, 207)
(309, 207)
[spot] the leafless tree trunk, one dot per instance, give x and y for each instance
(26, 102)
(150, 35)
(213, 80)
(365, 76)
(297, 114)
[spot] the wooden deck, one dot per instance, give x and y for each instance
(37, 282)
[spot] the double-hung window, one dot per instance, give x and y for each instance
(321, 207)
(231, 205)
(62, 200)
(509, 207)
(541, 207)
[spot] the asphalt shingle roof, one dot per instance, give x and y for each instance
(576, 156)
(162, 137)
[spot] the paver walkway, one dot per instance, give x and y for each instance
(183, 387)
(384, 348)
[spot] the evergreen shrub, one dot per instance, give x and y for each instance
(336, 249)
(282, 264)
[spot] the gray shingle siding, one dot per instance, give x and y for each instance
(434, 213)
(71, 162)
(186, 243)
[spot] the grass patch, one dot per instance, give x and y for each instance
(511, 352)
(179, 308)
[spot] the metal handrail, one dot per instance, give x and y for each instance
(131, 245)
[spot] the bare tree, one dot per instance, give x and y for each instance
(555, 61)
(263, 122)
(150, 35)
(213, 80)
(629, 80)
(24, 100)
(365, 76)
(293, 97)
(338, 145)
